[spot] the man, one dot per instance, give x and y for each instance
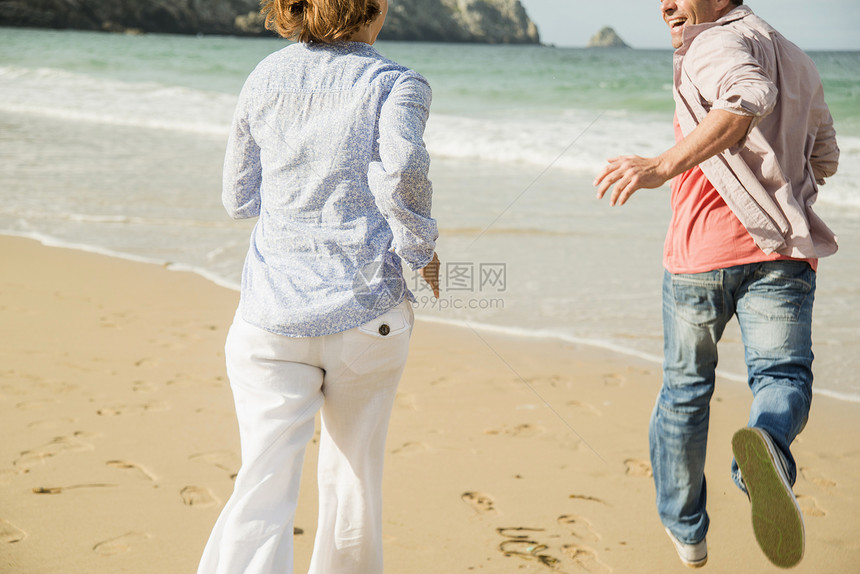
(755, 139)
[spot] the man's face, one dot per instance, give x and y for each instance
(679, 13)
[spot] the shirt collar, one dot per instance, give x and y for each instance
(341, 46)
(692, 32)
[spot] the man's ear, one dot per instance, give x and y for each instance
(723, 6)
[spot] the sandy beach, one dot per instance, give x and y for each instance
(504, 455)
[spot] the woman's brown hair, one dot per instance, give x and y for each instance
(324, 21)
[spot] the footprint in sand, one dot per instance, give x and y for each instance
(9, 533)
(59, 489)
(554, 381)
(120, 544)
(138, 470)
(143, 387)
(809, 506)
(441, 381)
(518, 532)
(35, 405)
(585, 406)
(524, 430)
(639, 371)
(48, 424)
(193, 381)
(411, 448)
(406, 402)
(524, 543)
(585, 558)
(638, 468)
(529, 550)
(482, 503)
(223, 459)
(587, 498)
(58, 446)
(7, 476)
(197, 496)
(119, 410)
(117, 319)
(614, 380)
(816, 478)
(578, 527)
(173, 342)
(522, 547)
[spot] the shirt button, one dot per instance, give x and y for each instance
(384, 330)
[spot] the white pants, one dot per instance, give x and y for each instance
(279, 383)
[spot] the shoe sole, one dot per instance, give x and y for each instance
(684, 561)
(699, 564)
(776, 517)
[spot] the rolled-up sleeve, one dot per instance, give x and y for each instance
(242, 175)
(825, 151)
(729, 78)
(399, 180)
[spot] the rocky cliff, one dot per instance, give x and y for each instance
(167, 16)
(491, 21)
(607, 38)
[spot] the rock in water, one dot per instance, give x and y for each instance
(607, 38)
(488, 21)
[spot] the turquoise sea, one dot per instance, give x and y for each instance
(114, 144)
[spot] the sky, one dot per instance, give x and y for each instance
(811, 24)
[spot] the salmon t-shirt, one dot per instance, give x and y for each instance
(704, 234)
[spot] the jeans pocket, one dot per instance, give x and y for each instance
(780, 290)
(698, 297)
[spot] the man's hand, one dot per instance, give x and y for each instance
(719, 131)
(629, 174)
(430, 273)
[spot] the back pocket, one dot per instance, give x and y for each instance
(391, 323)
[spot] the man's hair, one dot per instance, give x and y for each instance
(323, 21)
(737, 2)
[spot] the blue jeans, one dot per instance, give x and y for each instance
(773, 303)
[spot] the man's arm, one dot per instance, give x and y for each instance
(825, 151)
(719, 131)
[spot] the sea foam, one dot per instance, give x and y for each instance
(577, 141)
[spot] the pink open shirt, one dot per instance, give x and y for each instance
(704, 234)
(770, 180)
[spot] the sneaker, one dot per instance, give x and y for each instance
(776, 517)
(692, 555)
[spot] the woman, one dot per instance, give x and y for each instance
(327, 150)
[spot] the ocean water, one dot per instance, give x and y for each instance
(114, 144)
